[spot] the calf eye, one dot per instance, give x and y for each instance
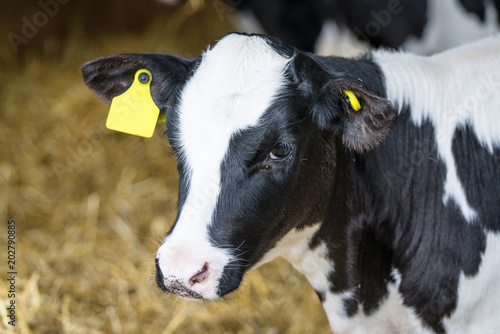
(281, 151)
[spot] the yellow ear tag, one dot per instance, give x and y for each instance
(162, 118)
(353, 100)
(134, 111)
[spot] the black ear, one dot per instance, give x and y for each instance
(361, 129)
(113, 75)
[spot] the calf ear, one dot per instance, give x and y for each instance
(362, 126)
(361, 129)
(113, 75)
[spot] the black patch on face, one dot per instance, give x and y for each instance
(261, 199)
(231, 278)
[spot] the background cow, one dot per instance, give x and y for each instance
(348, 26)
(396, 228)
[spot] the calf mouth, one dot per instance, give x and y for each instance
(180, 290)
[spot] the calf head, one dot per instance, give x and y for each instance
(255, 126)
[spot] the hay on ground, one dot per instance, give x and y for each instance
(91, 206)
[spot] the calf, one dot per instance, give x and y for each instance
(377, 178)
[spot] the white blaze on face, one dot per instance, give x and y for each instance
(234, 84)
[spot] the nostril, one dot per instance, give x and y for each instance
(200, 276)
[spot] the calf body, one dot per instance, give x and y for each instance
(395, 226)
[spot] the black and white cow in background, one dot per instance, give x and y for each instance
(336, 26)
(392, 212)
(347, 27)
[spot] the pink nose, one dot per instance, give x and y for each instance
(184, 287)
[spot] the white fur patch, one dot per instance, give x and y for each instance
(451, 89)
(449, 25)
(391, 318)
(479, 296)
(231, 89)
(312, 263)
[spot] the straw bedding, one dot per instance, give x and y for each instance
(91, 205)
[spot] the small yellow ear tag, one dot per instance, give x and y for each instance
(134, 111)
(353, 100)
(162, 118)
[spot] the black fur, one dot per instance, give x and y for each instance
(112, 75)
(262, 193)
(401, 185)
(159, 277)
(484, 177)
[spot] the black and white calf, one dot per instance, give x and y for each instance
(349, 26)
(392, 212)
